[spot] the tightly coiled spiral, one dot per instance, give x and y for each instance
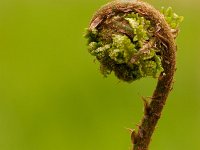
(124, 40)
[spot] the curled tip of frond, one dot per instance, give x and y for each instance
(125, 39)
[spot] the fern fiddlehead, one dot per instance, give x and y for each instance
(134, 40)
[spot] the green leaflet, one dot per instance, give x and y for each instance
(122, 49)
(140, 27)
(172, 18)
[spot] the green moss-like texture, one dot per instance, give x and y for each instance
(125, 44)
(172, 18)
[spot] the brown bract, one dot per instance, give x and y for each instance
(163, 33)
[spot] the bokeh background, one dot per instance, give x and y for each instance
(52, 96)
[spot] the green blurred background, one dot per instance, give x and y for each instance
(52, 96)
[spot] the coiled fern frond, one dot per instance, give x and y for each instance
(134, 40)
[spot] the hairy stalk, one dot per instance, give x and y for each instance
(134, 40)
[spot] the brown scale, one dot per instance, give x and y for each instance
(114, 25)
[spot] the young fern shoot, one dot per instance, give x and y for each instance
(134, 40)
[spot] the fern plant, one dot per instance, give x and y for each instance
(134, 40)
